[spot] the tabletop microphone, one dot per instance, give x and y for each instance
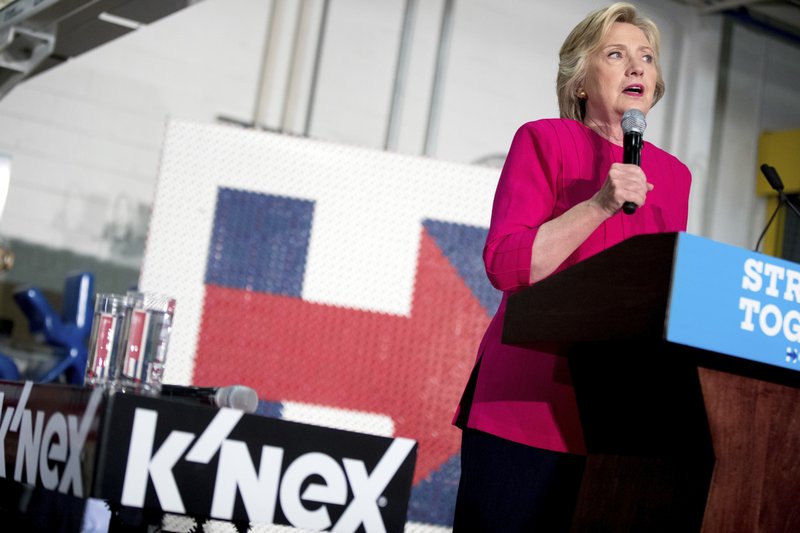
(233, 396)
(633, 126)
(772, 177)
(776, 183)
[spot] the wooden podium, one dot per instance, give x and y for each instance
(691, 420)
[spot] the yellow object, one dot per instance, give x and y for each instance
(780, 149)
(773, 240)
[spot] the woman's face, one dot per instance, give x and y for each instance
(621, 75)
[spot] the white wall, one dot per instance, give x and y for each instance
(761, 94)
(501, 71)
(85, 137)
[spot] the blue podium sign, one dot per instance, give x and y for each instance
(733, 301)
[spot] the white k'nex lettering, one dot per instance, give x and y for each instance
(49, 446)
(261, 487)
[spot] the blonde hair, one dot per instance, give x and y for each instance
(584, 40)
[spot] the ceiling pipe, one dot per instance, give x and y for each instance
(434, 110)
(401, 69)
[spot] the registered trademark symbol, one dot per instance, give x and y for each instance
(382, 501)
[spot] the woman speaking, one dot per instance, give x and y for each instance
(559, 200)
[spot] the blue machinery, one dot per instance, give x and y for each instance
(67, 333)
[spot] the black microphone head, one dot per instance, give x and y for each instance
(633, 122)
(772, 177)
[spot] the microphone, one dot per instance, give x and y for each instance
(633, 126)
(773, 179)
(776, 183)
(233, 396)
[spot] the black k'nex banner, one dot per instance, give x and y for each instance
(48, 436)
(171, 456)
(227, 465)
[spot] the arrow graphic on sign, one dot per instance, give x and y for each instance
(412, 369)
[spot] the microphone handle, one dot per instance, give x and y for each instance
(629, 208)
(203, 395)
(631, 155)
(232, 396)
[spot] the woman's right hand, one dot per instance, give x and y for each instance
(624, 183)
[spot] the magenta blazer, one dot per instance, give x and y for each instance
(523, 395)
